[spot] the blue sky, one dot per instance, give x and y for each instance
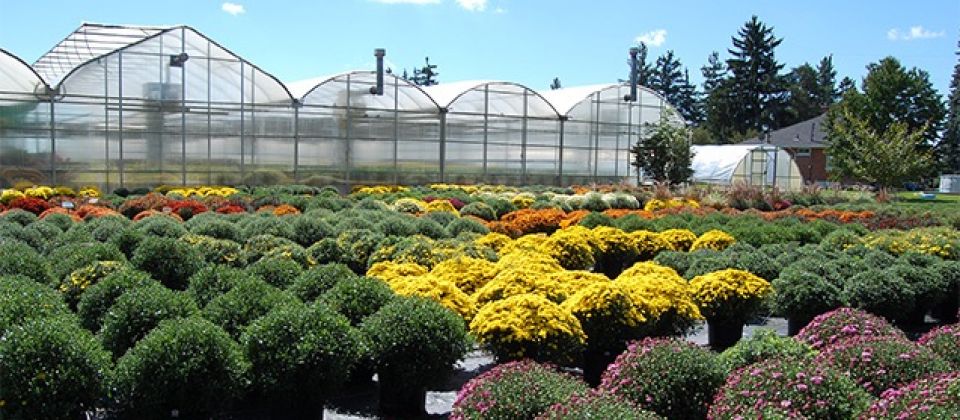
(524, 41)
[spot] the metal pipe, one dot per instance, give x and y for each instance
(379, 53)
(634, 68)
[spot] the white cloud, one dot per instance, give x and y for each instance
(499, 10)
(915, 32)
(473, 5)
(233, 8)
(408, 1)
(654, 38)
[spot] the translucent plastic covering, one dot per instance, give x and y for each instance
(349, 134)
(601, 126)
(17, 77)
(89, 41)
(761, 165)
(24, 123)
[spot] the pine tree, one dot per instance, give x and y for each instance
(827, 92)
(671, 80)
(804, 102)
(846, 85)
(756, 75)
(950, 145)
(426, 75)
(555, 84)
(643, 68)
(719, 102)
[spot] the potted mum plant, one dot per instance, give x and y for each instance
(727, 299)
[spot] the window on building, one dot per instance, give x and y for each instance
(802, 152)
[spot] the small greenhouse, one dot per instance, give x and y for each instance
(754, 164)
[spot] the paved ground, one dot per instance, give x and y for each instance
(362, 404)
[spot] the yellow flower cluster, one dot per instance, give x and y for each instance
(218, 251)
(442, 205)
(572, 281)
(469, 189)
(409, 205)
(391, 272)
(494, 240)
(716, 240)
(679, 239)
(203, 192)
(469, 274)
(939, 241)
(649, 244)
(529, 325)
(605, 303)
(571, 250)
(615, 242)
(82, 278)
(518, 281)
(657, 204)
(39, 192)
(441, 290)
(10, 194)
(661, 291)
(729, 294)
(523, 200)
(379, 189)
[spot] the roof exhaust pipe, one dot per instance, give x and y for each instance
(634, 67)
(378, 89)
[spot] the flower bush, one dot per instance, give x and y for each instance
(187, 364)
(170, 261)
(22, 299)
(50, 368)
(788, 387)
(932, 397)
(649, 244)
(513, 282)
(139, 310)
(673, 378)
(716, 240)
(300, 355)
(596, 405)
(945, 342)
(802, 295)
(529, 326)
(939, 241)
(679, 239)
(515, 390)
(357, 297)
(829, 328)
(469, 274)
(762, 345)
(247, 300)
(729, 296)
(666, 298)
(608, 315)
(879, 363)
(80, 279)
(615, 250)
(571, 248)
(442, 291)
(317, 280)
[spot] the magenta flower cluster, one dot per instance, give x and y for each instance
(831, 327)
(932, 397)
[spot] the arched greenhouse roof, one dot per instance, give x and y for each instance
(331, 91)
(150, 51)
(504, 98)
(16, 76)
(754, 164)
(89, 41)
(567, 100)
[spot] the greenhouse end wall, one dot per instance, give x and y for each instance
(177, 108)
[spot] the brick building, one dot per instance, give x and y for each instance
(807, 144)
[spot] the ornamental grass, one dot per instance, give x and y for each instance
(529, 326)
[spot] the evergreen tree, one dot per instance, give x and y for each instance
(719, 103)
(555, 84)
(426, 75)
(644, 69)
(756, 75)
(804, 88)
(950, 145)
(665, 154)
(405, 75)
(670, 79)
(846, 85)
(827, 93)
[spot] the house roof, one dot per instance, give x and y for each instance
(807, 134)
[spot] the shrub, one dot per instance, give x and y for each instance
(265, 225)
(357, 297)
(929, 287)
(17, 259)
(22, 299)
(608, 315)
(139, 310)
(50, 368)
(469, 274)
(802, 295)
(596, 406)
(248, 300)
(217, 251)
(409, 205)
(615, 250)
(260, 246)
(397, 226)
(277, 272)
(214, 228)
(357, 246)
(325, 251)
(480, 210)
(673, 378)
(881, 292)
(595, 219)
(19, 216)
(442, 291)
(161, 226)
(839, 240)
(300, 355)
(516, 390)
(762, 345)
(529, 326)
(308, 230)
(878, 363)
(570, 248)
(414, 343)
(212, 281)
(729, 296)
(466, 224)
(316, 281)
(72, 286)
(933, 397)
(64, 260)
(945, 342)
(170, 261)
(186, 364)
(829, 328)
(789, 388)
(25, 235)
(431, 228)
(679, 239)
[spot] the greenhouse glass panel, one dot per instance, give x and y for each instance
(25, 146)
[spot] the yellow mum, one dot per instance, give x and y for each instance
(529, 326)
(729, 296)
(443, 291)
(716, 240)
(679, 239)
(391, 272)
(517, 282)
(469, 274)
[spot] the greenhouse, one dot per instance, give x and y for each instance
(754, 164)
(140, 106)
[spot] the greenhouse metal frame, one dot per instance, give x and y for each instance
(140, 106)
